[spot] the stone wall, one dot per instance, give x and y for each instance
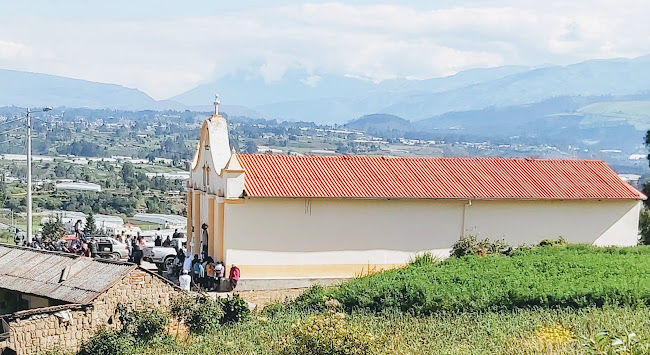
(139, 289)
(61, 326)
(66, 327)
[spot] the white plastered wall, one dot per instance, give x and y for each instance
(270, 233)
(338, 231)
(601, 222)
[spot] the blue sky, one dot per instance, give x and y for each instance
(167, 47)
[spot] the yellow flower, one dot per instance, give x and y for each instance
(555, 335)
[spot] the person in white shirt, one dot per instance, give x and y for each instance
(185, 280)
(187, 264)
(219, 271)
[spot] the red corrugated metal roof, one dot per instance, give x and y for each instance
(442, 178)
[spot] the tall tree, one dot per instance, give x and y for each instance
(128, 171)
(89, 227)
(644, 218)
(53, 230)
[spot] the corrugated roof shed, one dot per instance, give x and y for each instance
(39, 273)
(435, 178)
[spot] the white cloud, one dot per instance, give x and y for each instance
(11, 50)
(164, 56)
(311, 80)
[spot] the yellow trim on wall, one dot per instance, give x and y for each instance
(334, 270)
(196, 224)
(189, 202)
(212, 227)
(219, 238)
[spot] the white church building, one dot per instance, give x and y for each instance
(290, 217)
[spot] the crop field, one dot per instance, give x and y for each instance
(531, 331)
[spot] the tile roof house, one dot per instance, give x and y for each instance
(50, 299)
(288, 217)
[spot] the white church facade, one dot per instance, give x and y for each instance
(284, 217)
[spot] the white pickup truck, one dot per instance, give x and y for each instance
(163, 257)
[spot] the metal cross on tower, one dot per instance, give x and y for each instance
(216, 104)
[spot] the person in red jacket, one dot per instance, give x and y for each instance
(234, 276)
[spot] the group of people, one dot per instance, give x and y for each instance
(159, 242)
(205, 274)
(83, 246)
(136, 245)
(38, 243)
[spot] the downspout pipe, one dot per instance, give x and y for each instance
(469, 203)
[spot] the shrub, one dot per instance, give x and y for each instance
(235, 309)
(470, 245)
(550, 242)
(326, 334)
(108, 342)
(276, 308)
(644, 226)
(201, 314)
(313, 299)
(424, 259)
(142, 325)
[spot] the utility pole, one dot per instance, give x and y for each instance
(29, 173)
(29, 176)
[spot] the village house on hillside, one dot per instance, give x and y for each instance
(51, 299)
(288, 217)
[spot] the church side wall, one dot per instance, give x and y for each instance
(335, 238)
(288, 238)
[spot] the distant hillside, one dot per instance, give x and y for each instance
(379, 122)
(328, 98)
(591, 78)
(33, 89)
(331, 99)
(608, 114)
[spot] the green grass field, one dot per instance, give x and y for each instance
(573, 276)
(636, 113)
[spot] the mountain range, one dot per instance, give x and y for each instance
(307, 96)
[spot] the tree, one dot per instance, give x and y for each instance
(128, 171)
(644, 226)
(52, 230)
(644, 218)
(251, 147)
(89, 227)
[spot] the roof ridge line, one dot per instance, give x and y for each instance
(388, 157)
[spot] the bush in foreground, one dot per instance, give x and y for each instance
(142, 325)
(470, 245)
(138, 329)
(202, 314)
(235, 309)
(327, 334)
(108, 342)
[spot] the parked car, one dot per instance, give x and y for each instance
(111, 248)
(163, 257)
